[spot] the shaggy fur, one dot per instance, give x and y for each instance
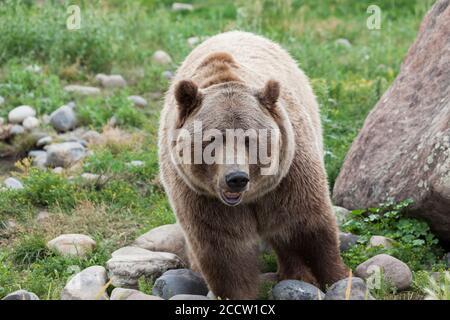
(240, 80)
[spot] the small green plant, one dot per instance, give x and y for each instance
(414, 242)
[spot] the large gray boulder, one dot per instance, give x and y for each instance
(65, 154)
(403, 150)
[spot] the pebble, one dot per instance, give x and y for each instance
(161, 57)
(82, 90)
(131, 294)
(180, 281)
(78, 245)
(176, 6)
(395, 272)
(188, 297)
(380, 241)
(88, 284)
(30, 123)
(16, 130)
(13, 183)
(110, 81)
(296, 290)
(19, 114)
(21, 295)
(341, 291)
(64, 154)
(347, 240)
(63, 119)
(44, 141)
(138, 101)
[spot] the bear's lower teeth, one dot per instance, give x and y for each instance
(231, 195)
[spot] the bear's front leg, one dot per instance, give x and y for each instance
(229, 264)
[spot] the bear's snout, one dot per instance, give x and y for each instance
(237, 181)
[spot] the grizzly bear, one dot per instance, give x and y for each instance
(241, 81)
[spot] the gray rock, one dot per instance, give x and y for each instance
(161, 57)
(167, 75)
(92, 178)
(58, 170)
(341, 214)
(347, 240)
(63, 119)
(13, 183)
(16, 130)
(130, 294)
(91, 136)
(395, 272)
(166, 238)
(88, 284)
(21, 295)
(78, 245)
(211, 295)
(181, 281)
(296, 290)
(82, 90)
(34, 68)
(380, 241)
(189, 297)
(17, 115)
(111, 81)
(44, 141)
(39, 158)
(346, 290)
(193, 41)
(343, 43)
(30, 123)
(176, 6)
(64, 154)
(135, 163)
(128, 264)
(138, 101)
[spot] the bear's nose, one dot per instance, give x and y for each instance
(237, 180)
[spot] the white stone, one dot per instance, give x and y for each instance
(128, 264)
(138, 101)
(17, 115)
(72, 244)
(44, 141)
(161, 57)
(166, 238)
(135, 163)
(33, 68)
(176, 6)
(380, 241)
(131, 294)
(63, 118)
(16, 130)
(13, 183)
(30, 123)
(111, 81)
(193, 41)
(89, 284)
(82, 90)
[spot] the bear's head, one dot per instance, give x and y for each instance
(231, 141)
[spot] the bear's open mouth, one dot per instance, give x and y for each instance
(231, 198)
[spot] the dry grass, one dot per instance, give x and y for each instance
(118, 140)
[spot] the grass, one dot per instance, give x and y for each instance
(120, 37)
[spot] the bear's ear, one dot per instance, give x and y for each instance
(188, 98)
(268, 96)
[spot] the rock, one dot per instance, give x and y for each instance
(63, 119)
(130, 294)
(2, 121)
(89, 284)
(34, 68)
(347, 240)
(72, 245)
(16, 130)
(94, 178)
(343, 43)
(58, 170)
(42, 217)
(397, 155)
(45, 119)
(176, 6)
(2, 101)
(380, 241)
(193, 41)
(17, 115)
(44, 141)
(138, 101)
(341, 214)
(296, 290)
(135, 163)
(21, 295)
(13, 183)
(181, 281)
(128, 264)
(167, 75)
(189, 297)
(341, 291)
(211, 295)
(39, 158)
(64, 154)
(30, 123)
(166, 238)
(161, 57)
(395, 272)
(82, 90)
(111, 81)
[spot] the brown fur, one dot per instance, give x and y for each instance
(291, 209)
